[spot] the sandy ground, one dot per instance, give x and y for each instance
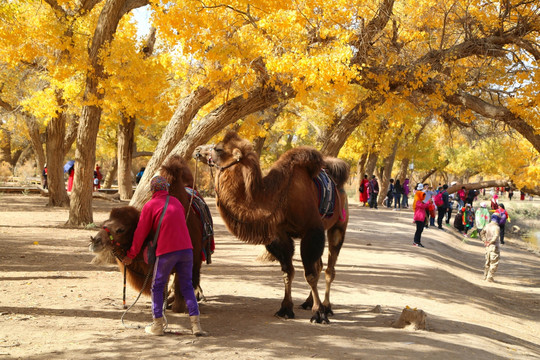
(54, 304)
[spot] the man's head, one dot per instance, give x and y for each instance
(159, 183)
(445, 186)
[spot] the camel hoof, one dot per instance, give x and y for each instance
(306, 305)
(319, 318)
(285, 313)
(328, 311)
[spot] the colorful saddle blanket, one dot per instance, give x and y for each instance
(200, 208)
(327, 193)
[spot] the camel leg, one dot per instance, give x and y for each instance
(311, 250)
(336, 236)
(282, 249)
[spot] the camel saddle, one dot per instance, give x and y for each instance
(327, 194)
(200, 208)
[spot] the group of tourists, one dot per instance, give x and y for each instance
(397, 193)
(468, 218)
(488, 225)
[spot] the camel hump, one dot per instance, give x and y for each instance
(337, 169)
(127, 215)
(177, 169)
(303, 156)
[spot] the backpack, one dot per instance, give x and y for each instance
(438, 199)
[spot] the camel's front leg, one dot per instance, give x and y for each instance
(336, 237)
(283, 249)
(311, 247)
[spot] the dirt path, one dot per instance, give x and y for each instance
(55, 305)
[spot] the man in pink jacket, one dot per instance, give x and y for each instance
(174, 250)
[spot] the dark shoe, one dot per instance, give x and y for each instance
(440, 227)
(418, 245)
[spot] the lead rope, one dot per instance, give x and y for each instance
(137, 299)
(193, 193)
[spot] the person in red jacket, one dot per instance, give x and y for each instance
(420, 208)
(174, 250)
(364, 191)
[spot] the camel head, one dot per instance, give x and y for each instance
(225, 153)
(115, 236)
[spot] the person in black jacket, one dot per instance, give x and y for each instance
(390, 193)
(373, 192)
(398, 190)
(471, 195)
(441, 210)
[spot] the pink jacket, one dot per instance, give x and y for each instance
(420, 211)
(173, 234)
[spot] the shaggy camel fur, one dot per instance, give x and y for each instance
(282, 205)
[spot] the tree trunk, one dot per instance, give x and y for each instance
(80, 212)
(56, 129)
(185, 112)
(126, 132)
(480, 185)
(434, 170)
(35, 138)
(335, 137)
(371, 163)
(111, 174)
(387, 172)
(360, 167)
(403, 169)
(5, 147)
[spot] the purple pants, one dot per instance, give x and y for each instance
(182, 261)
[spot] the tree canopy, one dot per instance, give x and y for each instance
(451, 86)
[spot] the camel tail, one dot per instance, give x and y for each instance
(337, 169)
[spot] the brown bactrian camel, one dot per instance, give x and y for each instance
(282, 205)
(116, 235)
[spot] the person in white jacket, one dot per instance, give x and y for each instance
(490, 234)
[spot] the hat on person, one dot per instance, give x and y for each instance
(159, 183)
(483, 204)
(420, 187)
